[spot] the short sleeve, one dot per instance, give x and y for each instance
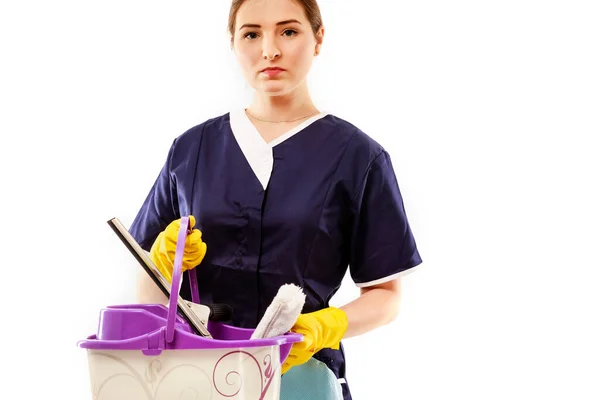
(159, 209)
(383, 246)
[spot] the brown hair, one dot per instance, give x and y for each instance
(311, 9)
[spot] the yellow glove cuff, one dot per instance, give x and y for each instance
(322, 329)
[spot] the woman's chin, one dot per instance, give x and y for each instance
(274, 88)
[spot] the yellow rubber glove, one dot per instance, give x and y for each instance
(321, 329)
(162, 252)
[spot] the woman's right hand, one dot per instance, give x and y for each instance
(162, 252)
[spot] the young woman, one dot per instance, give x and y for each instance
(281, 192)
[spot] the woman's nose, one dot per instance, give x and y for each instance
(270, 50)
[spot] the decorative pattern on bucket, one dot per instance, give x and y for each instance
(236, 374)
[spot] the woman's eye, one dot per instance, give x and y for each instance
(250, 35)
(289, 32)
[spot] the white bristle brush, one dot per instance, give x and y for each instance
(282, 313)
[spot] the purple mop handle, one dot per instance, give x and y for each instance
(194, 286)
(177, 264)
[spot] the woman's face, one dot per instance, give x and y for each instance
(274, 44)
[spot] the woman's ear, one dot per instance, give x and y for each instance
(319, 36)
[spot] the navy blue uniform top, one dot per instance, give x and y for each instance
(301, 210)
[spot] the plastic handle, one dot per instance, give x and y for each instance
(177, 266)
(194, 286)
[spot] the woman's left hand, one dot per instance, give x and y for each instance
(321, 329)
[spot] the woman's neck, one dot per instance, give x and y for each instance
(288, 107)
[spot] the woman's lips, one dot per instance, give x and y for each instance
(272, 71)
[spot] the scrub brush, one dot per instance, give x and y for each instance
(282, 313)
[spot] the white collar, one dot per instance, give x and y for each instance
(259, 153)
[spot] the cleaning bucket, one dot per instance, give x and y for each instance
(149, 352)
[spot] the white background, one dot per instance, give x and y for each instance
(490, 111)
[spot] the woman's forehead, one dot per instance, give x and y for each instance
(269, 12)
